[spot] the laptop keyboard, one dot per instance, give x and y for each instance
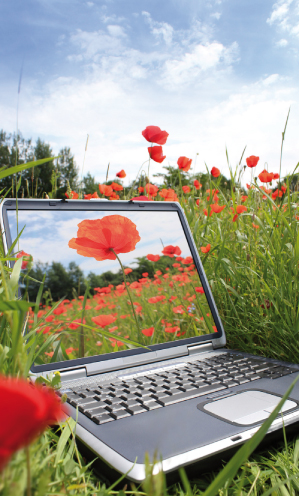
(118, 399)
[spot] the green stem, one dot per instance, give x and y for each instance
(129, 293)
(149, 163)
(28, 471)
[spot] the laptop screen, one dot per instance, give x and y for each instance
(127, 276)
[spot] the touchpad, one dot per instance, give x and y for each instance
(247, 407)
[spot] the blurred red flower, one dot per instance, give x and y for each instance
(26, 412)
(244, 198)
(199, 290)
(114, 196)
(184, 163)
(72, 196)
(186, 261)
(94, 195)
(168, 194)
(148, 332)
(172, 329)
(26, 258)
(153, 258)
(235, 217)
(265, 176)
(76, 323)
(215, 172)
(105, 190)
(206, 212)
(96, 238)
(171, 251)
(103, 320)
(252, 161)
(197, 184)
(151, 189)
(141, 198)
(145, 274)
(116, 187)
(153, 134)
(156, 153)
(141, 189)
(121, 174)
(255, 226)
(186, 189)
(276, 176)
(179, 309)
(217, 208)
(205, 249)
(128, 271)
(240, 209)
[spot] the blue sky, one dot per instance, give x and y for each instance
(211, 73)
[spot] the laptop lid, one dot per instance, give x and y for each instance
(125, 280)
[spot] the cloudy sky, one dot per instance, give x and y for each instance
(212, 73)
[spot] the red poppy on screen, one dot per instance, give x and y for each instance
(26, 258)
(96, 238)
(197, 184)
(215, 172)
(153, 258)
(186, 189)
(128, 271)
(205, 249)
(252, 161)
(153, 134)
(171, 251)
(121, 174)
(156, 153)
(103, 320)
(38, 407)
(141, 198)
(116, 187)
(184, 163)
(148, 332)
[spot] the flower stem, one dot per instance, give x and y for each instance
(149, 163)
(129, 293)
(28, 471)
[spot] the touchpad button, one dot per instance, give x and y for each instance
(247, 407)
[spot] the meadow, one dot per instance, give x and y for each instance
(248, 239)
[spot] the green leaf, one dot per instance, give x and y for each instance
(15, 305)
(18, 168)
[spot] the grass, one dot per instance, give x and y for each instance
(252, 268)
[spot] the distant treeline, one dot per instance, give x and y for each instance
(61, 282)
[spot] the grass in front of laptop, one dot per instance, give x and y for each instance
(252, 267)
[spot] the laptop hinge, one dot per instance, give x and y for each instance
(200, 348)
(70, 375)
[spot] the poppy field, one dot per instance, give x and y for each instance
(248, 241)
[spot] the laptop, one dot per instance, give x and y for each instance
(136, 335)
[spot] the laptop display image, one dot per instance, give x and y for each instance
(138, 340)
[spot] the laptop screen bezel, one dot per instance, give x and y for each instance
(102, 205)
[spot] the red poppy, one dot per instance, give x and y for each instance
(180, 309)
(168, 194)
(217, 208)
(198, 202)
(252, 161)
(96, 238)
(255, 226)
(156, 299)
(275, 194)
(76, 323)
(172, 329)
(156, 153)
(248, 186)
(205, 249)
(140, 198)
(26, 412)
(105, 190)
(265, 176)
(141, 189)
(114, 196)
(128, 271)
(197, 184)
(70, 350)
(135, 285)
(116, 187)
(240, 209)
(153, 258)
(27, 258)
(103, 320)
(171, 251)
(72, 196)
(186, 189)
(276, 176)
(148, 332)
(244, 198)
(186, 261)
(283, 188)
(121, 174)
(215, 172)
(206, 212)
(184, 163)
(94, 195)
(153, 134)
(151, 189)
(235, 217)
(145, 274)
(199, 290)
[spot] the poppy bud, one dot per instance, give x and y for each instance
(248, 257)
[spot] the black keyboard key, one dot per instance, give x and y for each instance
(102, 419)
(160, 396)
(119, 414)
(254, 377)
(170, 400)
(96, 411)
(134, 410)
(187, 387)
(88, 406)
(153, 405)
(81, 401)
(116, 407)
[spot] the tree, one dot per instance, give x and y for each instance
(14, 150)
(89, 185)
(67, 171)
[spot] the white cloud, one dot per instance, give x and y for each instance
(285, 16)
(116, 31)
(282, 43)
(216, 15)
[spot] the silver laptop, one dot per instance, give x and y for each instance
(136, 335)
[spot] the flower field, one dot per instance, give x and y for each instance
(247, 237)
